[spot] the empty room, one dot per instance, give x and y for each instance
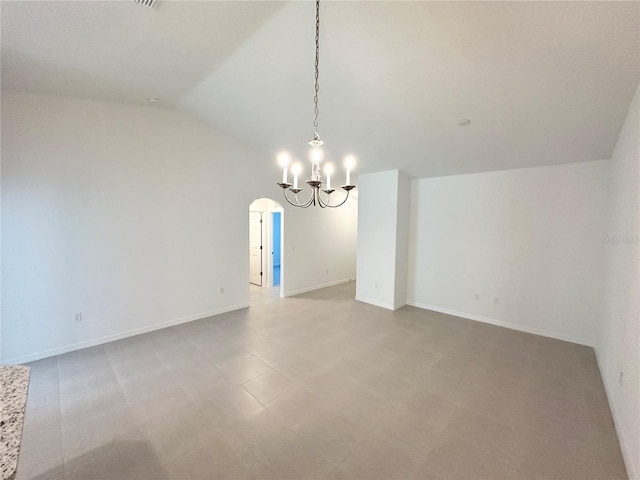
(319, 240)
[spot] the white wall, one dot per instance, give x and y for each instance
(118, 212)
(265, 205)
(383, 222)
(530, 238)
(618, 344)
(403, 217)
(318, 245)
(135, 216)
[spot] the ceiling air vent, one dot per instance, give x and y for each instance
(145, 3)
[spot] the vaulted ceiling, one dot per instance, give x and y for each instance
(542, 82)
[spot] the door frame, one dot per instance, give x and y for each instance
(251, 213)
(272, 249)
(266, 206)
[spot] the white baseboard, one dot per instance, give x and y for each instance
(32, 357)
(500, 323)
(376, 303)
(626, 453)
(316, 287)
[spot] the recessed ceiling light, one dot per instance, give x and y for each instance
(153, 99)
(464, 122)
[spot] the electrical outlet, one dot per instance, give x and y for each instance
(77, 318)
(221, 290)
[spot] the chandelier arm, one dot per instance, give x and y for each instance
(297, 202)
(308, 203)
(321, 202)
(325, 204)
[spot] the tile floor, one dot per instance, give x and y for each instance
(321, 386)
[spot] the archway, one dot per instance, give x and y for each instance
(266, 228)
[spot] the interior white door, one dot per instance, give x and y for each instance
(255, 248)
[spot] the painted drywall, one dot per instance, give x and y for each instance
(382, 260)
(403, 216)
(618, 342)
(136, 217)
(118, 213)
(520, 248)
(320, 243)
(265, 204)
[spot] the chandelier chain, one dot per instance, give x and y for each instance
(320, 196)
(317, 87)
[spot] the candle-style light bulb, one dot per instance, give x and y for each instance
(328, 170)
(283, 161)
(296, 169)
(349, 163)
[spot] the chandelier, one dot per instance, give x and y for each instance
(315, 182)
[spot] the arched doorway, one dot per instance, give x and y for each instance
(266, 226)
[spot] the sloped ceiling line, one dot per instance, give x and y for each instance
(542, 82)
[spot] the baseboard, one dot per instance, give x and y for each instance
(316, 287)
(118, 336)
(632, 473)
(500, 323)
(375, 303)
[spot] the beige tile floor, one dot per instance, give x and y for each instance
(321, 386)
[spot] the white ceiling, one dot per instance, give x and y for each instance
(121, 51)
(542, 82)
